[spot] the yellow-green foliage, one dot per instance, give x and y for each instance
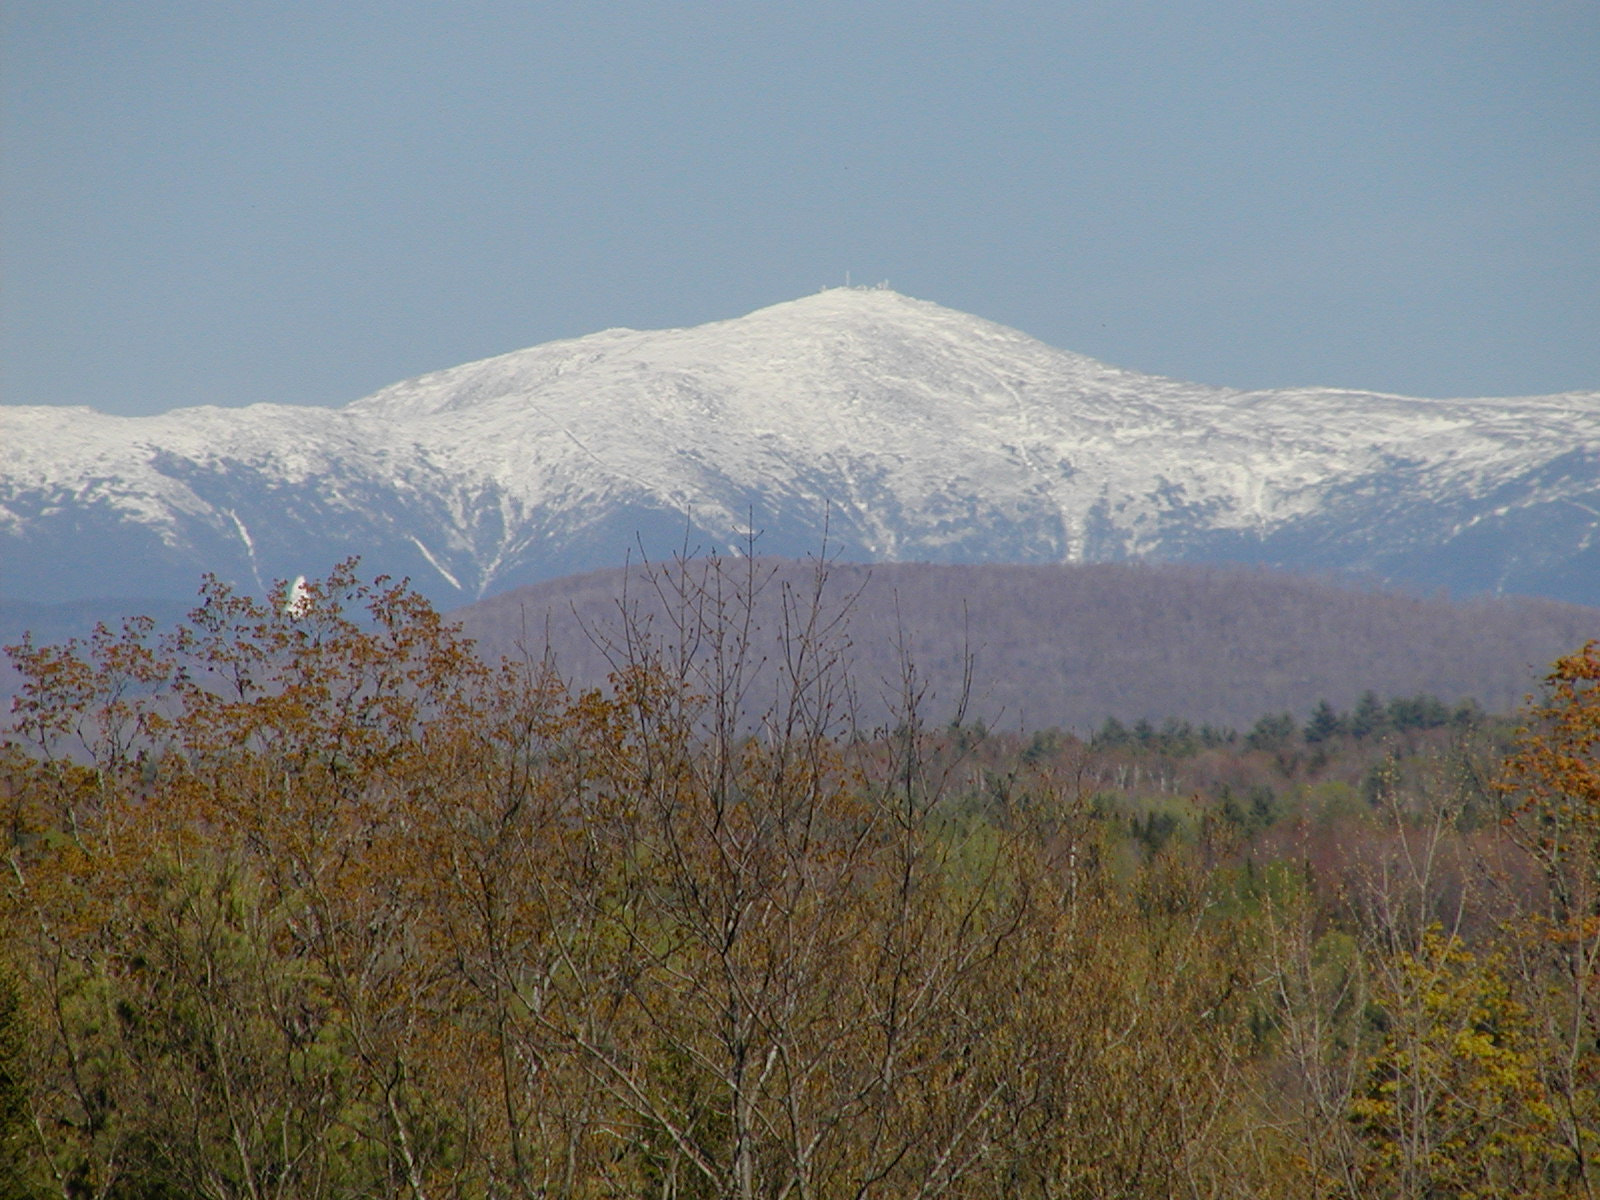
(1452, 1103)
(305, 902)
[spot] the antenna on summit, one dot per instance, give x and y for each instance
(847, 279)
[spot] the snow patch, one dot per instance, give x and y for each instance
(927, 433)
(435, 563)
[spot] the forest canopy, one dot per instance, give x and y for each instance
(304, 900)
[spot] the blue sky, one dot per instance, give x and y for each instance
(228, 202)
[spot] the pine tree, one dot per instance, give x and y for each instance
(1369, 717)
(1325, 723)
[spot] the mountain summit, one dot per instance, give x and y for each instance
(908, 431)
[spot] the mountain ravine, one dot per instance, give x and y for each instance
(906, 431)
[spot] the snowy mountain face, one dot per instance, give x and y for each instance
(905, 430)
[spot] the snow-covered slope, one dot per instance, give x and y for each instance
(907, 430)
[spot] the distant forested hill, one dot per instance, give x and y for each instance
(1071, 645)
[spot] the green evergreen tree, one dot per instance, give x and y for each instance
(1325, 723)
(1369, 717)
(1421, 711)
(1112, 733)
(1272, 732)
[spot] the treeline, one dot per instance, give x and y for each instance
(304, 900)
(1371, 717)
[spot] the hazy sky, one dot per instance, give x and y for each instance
(227, 202)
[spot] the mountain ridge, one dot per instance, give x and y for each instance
(1032, 646)
(908, 431)
(1048, 645)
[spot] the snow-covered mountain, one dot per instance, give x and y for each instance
(907, 430)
